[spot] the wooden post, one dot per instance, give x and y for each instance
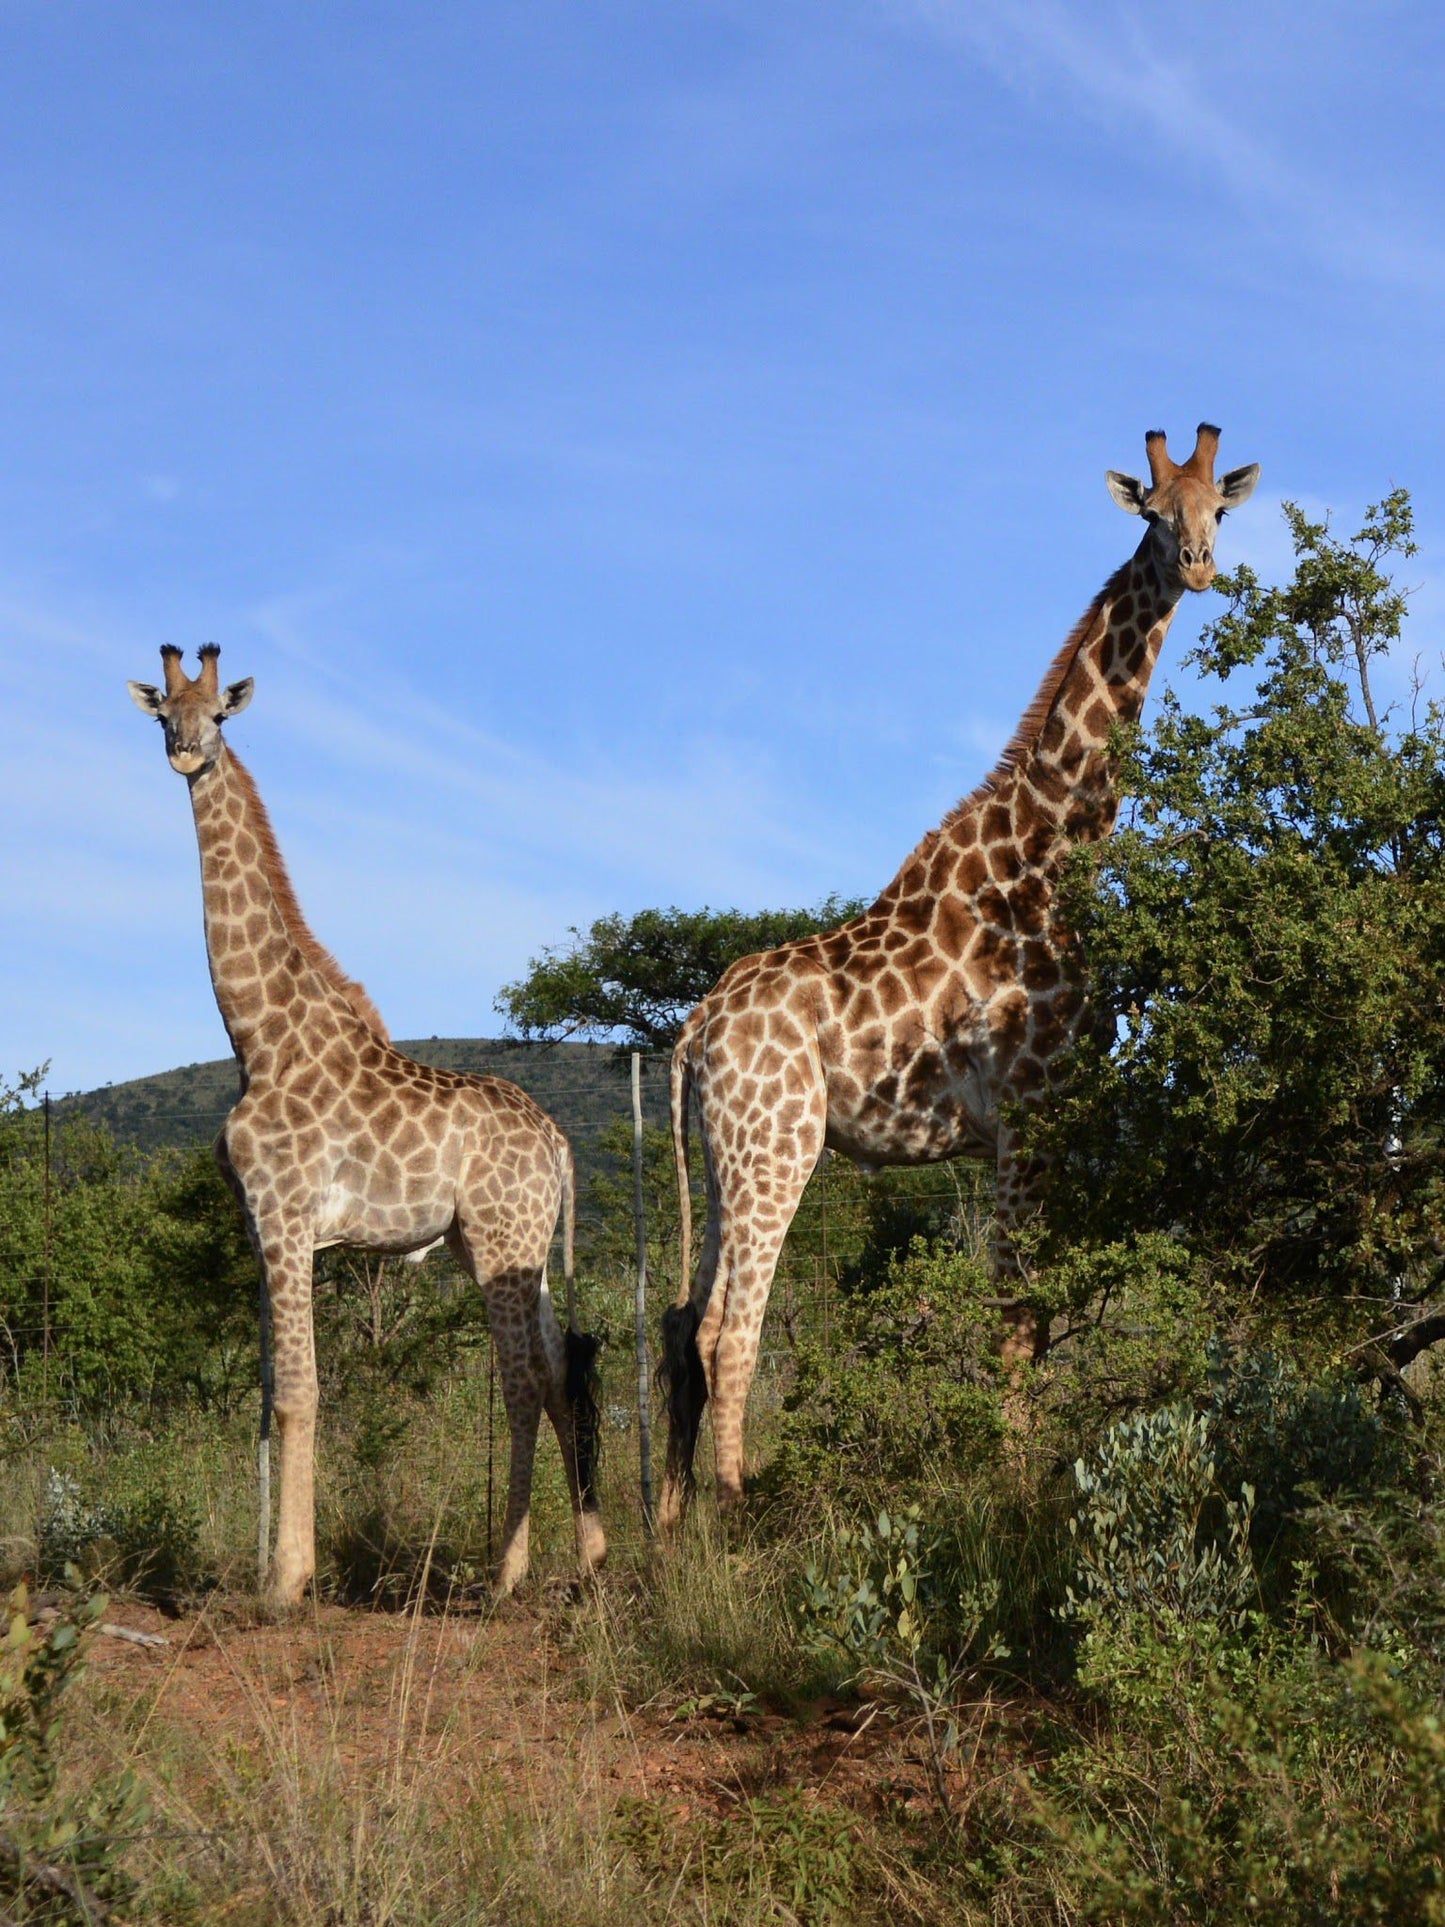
(644, 1371)
(45, 1283)
(263, 1446)
(491, 1429)
(826, 1269)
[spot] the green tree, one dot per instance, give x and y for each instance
(640, 976)
(143, 1287)
(1265, 943)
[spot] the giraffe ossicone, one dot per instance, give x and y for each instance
(907, 1035)
(338, 1139)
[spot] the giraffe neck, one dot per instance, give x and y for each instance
(1055, 784)
(1064, 784)
(261, 968)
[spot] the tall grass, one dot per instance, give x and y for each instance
(298, 1819)
(708, 1617)
(292, 1818)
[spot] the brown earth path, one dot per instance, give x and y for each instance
(500, 1693)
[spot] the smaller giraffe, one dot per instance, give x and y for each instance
(909, 1034)
(338, 1139)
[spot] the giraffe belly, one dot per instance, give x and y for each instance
(348, 1217)
(929, 1110)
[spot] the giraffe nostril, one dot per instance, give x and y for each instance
(1186, 556)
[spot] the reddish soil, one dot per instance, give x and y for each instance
(501, 1691)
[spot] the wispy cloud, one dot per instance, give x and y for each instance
(434, 854)
(1108, 62)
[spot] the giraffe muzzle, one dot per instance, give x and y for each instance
(1196, 566)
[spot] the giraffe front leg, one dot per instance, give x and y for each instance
(1020, 1185)
(286, 1264)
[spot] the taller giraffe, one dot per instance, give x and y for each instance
(903, 1036)
(340, 1140)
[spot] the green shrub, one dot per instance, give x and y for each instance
(1295, 1440)
(781, 1858)
(1224, 1785)
(145, 1540)
(60, 1851)
(907, 1384)
(1155, 1536)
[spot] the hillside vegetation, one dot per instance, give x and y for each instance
(583, 1086)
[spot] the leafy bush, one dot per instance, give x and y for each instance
(1156, 1538)
(1265, 937)
(60, 1853)
(1295, 1440)
(144, 1290)
(798, 1859)
(1222, 1784)
(908, 1382)
(146, 1540)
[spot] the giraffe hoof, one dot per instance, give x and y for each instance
(591, 1544)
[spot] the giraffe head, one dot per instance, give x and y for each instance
(1183, 504)
(192, 712)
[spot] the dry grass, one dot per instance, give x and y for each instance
(441, 1767)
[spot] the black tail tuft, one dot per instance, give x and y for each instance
(580, 1352)
(680, 1368)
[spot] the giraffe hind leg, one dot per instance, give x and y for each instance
(522, 1366)
(749, 1244)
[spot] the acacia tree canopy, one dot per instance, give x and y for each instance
(636, 978)
(1265, 941)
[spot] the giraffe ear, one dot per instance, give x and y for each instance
(236, 696)
(1238, 485)
(146, 697)
(1127, 490)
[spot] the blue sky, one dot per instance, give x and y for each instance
(644, 453)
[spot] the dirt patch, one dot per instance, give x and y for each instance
(378, 1691)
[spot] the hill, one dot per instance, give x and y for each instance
(583, 1086)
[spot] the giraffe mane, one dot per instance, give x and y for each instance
(1023, 740)
(1031, 723)
(316, 954)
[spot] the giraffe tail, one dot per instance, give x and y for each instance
(579, 1348)
(679, 1369)
(679, 1093)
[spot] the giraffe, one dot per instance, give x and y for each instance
(338, 1139)
(906, 1035)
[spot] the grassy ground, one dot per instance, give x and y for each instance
(683, 1740)
(655, 1747)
